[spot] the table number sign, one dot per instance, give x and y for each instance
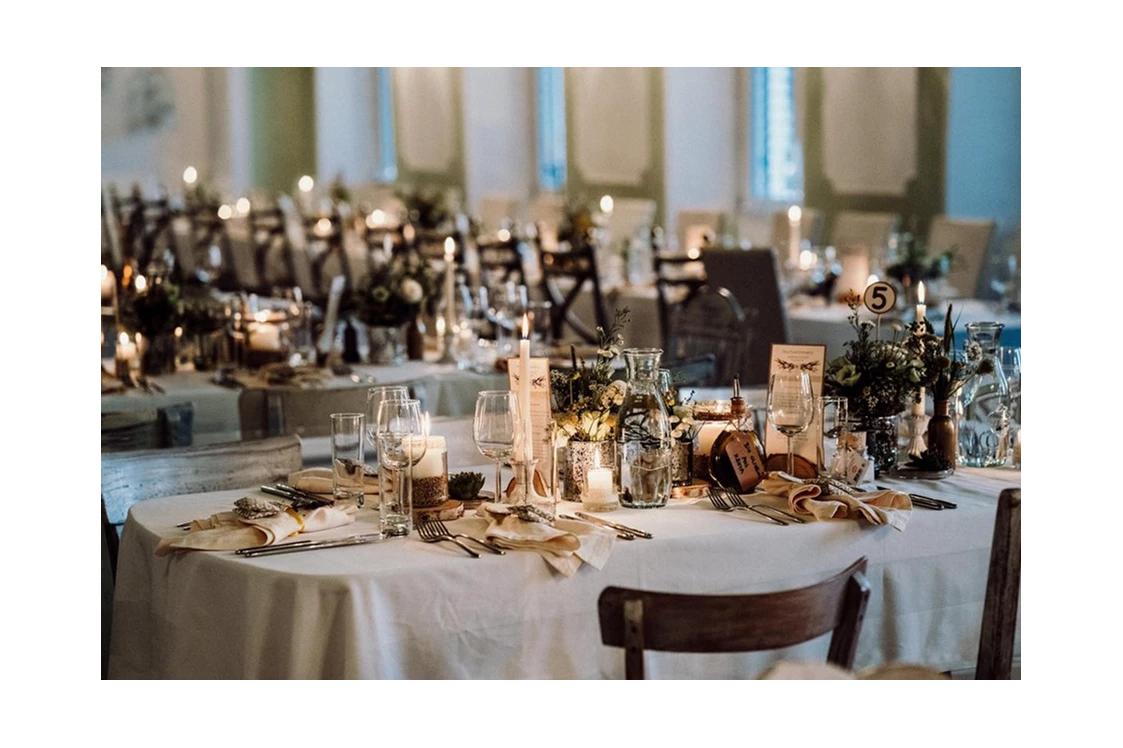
(812, 359)
(540, 416)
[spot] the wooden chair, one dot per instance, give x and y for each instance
(711, 322)
(150, 428)
(970, 240)
(863, 229)
(753, 278)
(678, 277)
(132, 477)
(501, 260)
(325, 249)
(1000, 609)
(272, 253)
(670, 622)
(564, 275)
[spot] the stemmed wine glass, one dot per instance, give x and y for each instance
(403, 435)
(791, 406)
(375, 396)
(495, 429)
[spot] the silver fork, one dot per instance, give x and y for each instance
(720, 501)
(432, 534)
(737, 501)
(444, 530)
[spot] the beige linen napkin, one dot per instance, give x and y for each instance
(227, 531)
(565, 545)
(318, 480)
(877, 507)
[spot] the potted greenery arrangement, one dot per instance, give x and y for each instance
(915, 264)
(152, 307)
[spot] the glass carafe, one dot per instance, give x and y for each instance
(643, 434)
(984, 420)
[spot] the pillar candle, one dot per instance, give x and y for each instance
(794, 214)
(450, 266)
(598, 488)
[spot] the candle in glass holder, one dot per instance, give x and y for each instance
(430, 474)
(600, 495)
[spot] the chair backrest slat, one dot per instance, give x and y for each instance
(1000, 609)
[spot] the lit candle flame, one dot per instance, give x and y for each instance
(104, 272)
(262, 316)
(179, 332)
(504, 235)
(123, 338)
(190, 174)
(526, 326)
(606, 204)
(305, 184)
(794, 214)
(242, 206)
(806, 259)
(141, 283)
(323, 226)
(920, 292)
(224, 212)
(450, 249)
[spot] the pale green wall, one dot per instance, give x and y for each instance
(282, 126)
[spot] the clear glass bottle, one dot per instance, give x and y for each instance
(737, 456)
(984, 421)
(643, 434)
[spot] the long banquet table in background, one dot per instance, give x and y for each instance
(254, 409)
(406, 609)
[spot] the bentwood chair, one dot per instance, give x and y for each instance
(638, 620)
(1000, 608)
(565, 274)
(678, 277)
(128, 478)
(710, 323)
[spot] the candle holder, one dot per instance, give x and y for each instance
(524, 490)
(449, 341)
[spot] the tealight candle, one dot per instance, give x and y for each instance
(264, 337)
(598, 489)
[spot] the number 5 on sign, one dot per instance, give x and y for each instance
(880, 297)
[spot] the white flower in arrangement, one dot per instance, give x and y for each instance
(595, 426)
(613, 395)
(411, 291)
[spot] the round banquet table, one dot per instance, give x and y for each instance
(402, 608)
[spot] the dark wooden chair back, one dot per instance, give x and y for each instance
(272, 252)
(711, 322)
(326, 252)
(1004, 578)
(668, 622)
(565, 274)
(501, 260)
(752, 276)
(150, 428)
(675, 284)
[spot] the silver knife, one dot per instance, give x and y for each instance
(615, 526)
(303, 545)
(619, 533)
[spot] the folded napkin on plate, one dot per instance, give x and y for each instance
(228, 531)
(878, 507)
(564, 545)
(318, 480)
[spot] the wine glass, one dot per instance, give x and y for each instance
(375, 396)
(791, 406)
(496, 428)
(403, 435)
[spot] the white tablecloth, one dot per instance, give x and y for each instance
(406, 609)
(215, 417)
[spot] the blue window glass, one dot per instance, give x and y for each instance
(551, 129)
(776, 170)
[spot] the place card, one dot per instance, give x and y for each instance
(812, 359)
(540, 416)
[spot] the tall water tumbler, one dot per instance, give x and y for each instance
(347, 456)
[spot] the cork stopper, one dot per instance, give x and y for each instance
(736, 403)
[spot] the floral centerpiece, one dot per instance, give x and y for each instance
(586, 400)
(581, 217)
(878, 378)
(152, 307)
(428, 206)
(915, 264)
(946, 370)
(392, 296)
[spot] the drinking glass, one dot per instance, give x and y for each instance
(791, 407)
(375, 396)
(347, 457)
(402, 433)
(495, 429)
(832, 411)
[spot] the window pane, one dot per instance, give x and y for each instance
(776, 168)
(551, 129)
(387, 154)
